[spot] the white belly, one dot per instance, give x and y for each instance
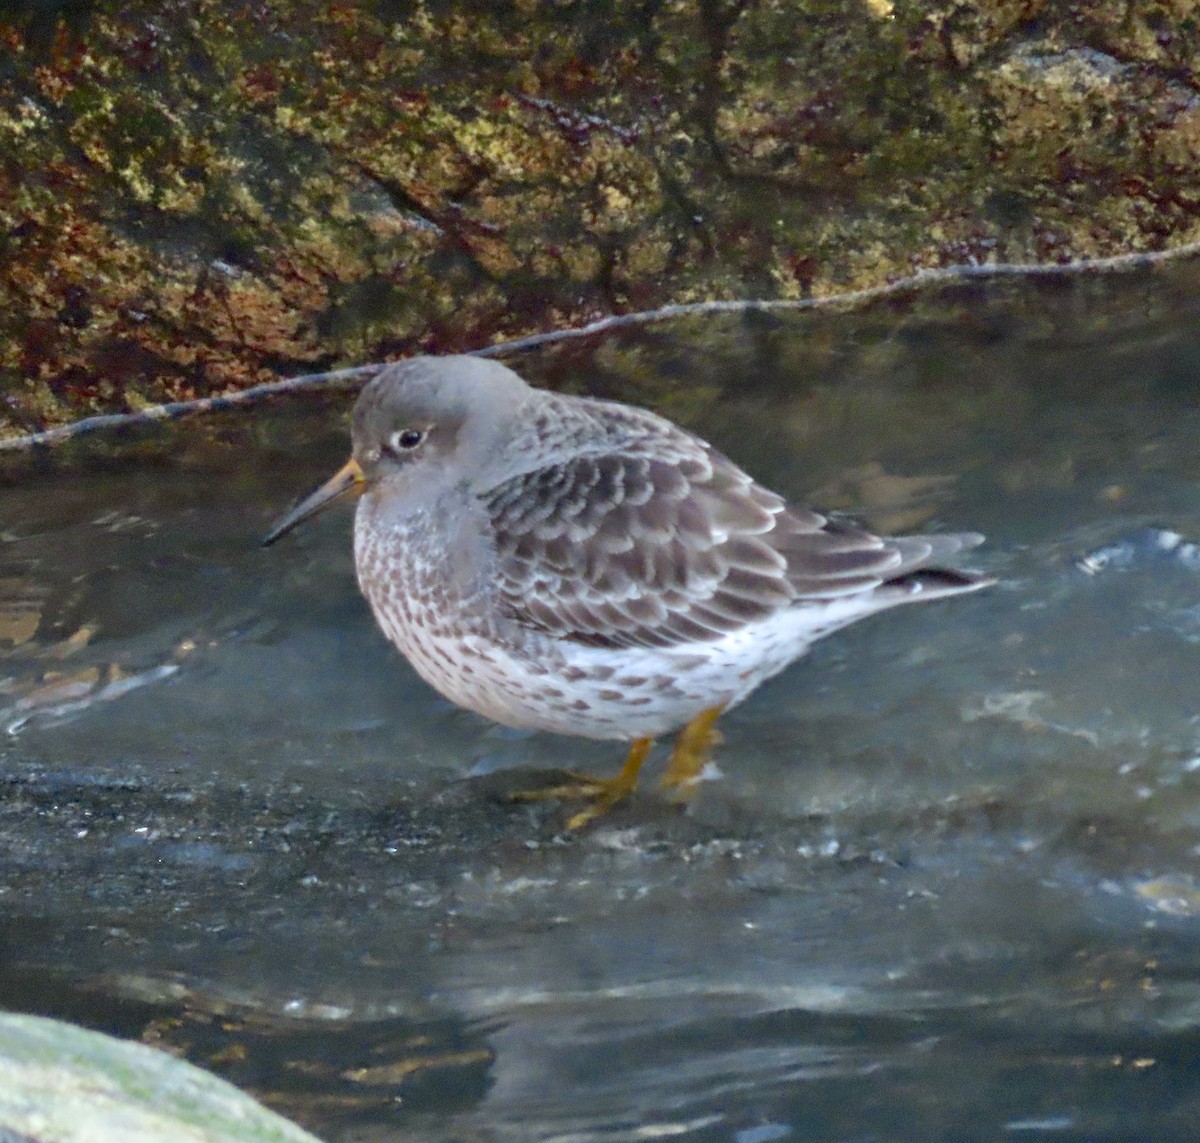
(600, 693)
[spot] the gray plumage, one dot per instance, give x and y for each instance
(588, 567)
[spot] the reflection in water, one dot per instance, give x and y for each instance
(948, 887)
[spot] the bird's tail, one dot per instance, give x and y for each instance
(919, 578)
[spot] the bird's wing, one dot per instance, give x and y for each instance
(653, 547)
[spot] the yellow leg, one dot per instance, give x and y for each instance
(604, 793)
(691, 753)
(615, 789)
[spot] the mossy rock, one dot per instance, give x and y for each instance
(199, 198)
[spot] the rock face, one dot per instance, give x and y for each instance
(60, 1084)
(199, 197)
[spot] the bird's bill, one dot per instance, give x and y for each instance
(347, 480)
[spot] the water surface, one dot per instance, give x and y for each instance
(947, 887)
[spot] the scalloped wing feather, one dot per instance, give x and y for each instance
(655, 546)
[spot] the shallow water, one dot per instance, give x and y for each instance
(948, 886)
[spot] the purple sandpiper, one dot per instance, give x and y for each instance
(589, 568)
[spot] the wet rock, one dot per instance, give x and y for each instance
(195, 199)
(61, 1084)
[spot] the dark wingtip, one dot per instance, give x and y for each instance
(942, 581)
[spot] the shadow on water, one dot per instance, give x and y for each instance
(948, 887)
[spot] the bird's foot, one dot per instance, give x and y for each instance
(691, 754)
(601, 793)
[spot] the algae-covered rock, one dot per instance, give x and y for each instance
(199, 197)
(62, 1084)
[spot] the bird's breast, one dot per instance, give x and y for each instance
(426, 574)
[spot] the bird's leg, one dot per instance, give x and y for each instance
(691, 753)
(604, 793)
(607, 792)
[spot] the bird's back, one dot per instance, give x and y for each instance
(632, 532)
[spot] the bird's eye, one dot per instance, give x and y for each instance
(406, 440)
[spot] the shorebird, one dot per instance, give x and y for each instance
(589, 568)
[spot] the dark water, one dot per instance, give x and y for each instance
(947, 888)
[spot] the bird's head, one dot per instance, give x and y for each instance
(421, 425)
